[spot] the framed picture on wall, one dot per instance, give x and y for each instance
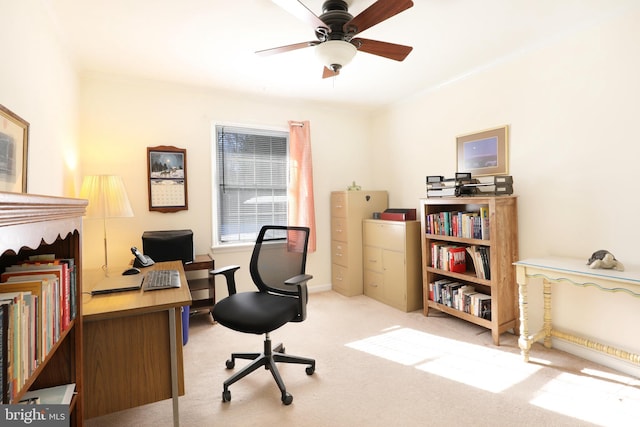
(167, 171)
(14, 140)
(484, 153)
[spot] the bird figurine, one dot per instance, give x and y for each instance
(604, 259)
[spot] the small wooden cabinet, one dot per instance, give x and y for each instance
(203, 289)
(348, 209)
(392, 268)
(499, 243)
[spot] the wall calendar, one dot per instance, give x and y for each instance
(167, 172)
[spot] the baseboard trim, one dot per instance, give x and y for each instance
(320, 288)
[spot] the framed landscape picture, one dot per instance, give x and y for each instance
(483, 153)
(14, 140)
(167, 171)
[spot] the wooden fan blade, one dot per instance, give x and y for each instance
(376, 13)
(393, 51)
(302, 12)
(326, 73)
(287, 48)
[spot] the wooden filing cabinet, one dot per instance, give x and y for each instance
(392, 263)
(348, 209)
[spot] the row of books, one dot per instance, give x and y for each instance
(468, 224)
(464, 185)
(448, 257)
(461, 297)
(481, 261)
(37, 304)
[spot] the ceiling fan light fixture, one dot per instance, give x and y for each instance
(335, 54)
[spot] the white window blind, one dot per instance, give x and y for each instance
(252, 175)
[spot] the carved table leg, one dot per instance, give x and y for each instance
(547, 313)
(523, 341)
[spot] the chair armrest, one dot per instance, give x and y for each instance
(229, 273)
(300, 278)
(300, 281)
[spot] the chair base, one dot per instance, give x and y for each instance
(268, 358)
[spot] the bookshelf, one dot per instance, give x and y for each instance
(31, 225)
(500, 243)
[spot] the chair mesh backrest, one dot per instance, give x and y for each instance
(279, 254)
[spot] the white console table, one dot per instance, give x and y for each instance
(575, 272)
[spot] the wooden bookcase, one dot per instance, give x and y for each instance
(29, 225)
(503, 252)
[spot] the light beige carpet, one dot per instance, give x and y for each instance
(377, 366)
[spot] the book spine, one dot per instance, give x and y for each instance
(484, 223)
(4, 335)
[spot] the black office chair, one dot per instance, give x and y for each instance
(277, 268)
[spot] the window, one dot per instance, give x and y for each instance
(252, 177)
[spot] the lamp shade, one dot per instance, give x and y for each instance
(335, 54)
(107, 196)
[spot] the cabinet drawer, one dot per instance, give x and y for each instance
(339, 205)
(340, 252)
(372, 258)
(339, 229)
(384, 235)
(373, 284)
(339, 278)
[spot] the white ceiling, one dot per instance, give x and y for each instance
(212, 42)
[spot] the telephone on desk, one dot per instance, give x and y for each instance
(140, 259)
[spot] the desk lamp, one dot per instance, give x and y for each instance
(107, 199)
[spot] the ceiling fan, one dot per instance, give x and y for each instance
(336, 29)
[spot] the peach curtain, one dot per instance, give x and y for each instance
(301, 204)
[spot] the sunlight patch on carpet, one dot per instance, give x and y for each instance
(405, 346)
(484, 368)
(592, 398)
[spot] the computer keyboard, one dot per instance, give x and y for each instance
(161, 279)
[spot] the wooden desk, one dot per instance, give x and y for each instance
(132, 348)
(575, 272)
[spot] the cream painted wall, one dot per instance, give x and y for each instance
(572, 108)
(571, 104)
(120, 117)
(39, 83)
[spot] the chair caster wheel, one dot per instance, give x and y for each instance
(230, 364)
(226, 396)
(286, 398)
(310, 370)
